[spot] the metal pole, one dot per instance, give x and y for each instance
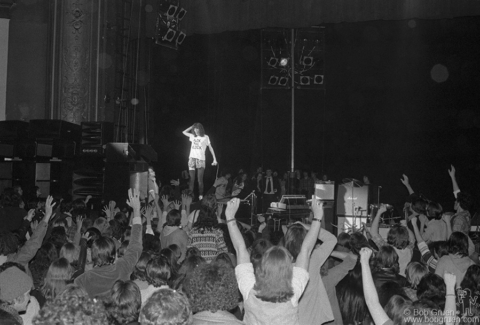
(292, 75)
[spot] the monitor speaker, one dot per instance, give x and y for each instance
(351, 197)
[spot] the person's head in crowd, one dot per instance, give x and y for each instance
(438, 248)
(226, 173)
(78, 204)
(458, 244)
(101, 224)
(293, 239)
(174, 217)
(122, 219)
(426, 311)
(395, 308)
(40, 264)
(166, 307)
(268, 172)
(414, 272)
(72, 290)
(17, 189)
(58, 276)
(198, 130)
(158, 271)
(176, 250)
(472, 279)
(419, 205)
(351, 299)
(464, 202)
(398, 237)
(123, 305)
(434, 211)
(139, 270)
(207, 219)
(259, 176)
(171, 259)
(212, 287)
(192, 251)
(388, 290)
(58, 237)
(12, 200)
(15, 287)
(432, 287)
(259, 247)
(66, 206)
(226, 259)
(210, 201)
(61, 222)
(72, 309)
(343, 242)
(69, 252)
(189, 264)
(386, 259)
(8, 243)
(94, 234)
(116, 229)
(357, 242)
(103, 252)
(151, 243)
(274, 275)
(122, 249)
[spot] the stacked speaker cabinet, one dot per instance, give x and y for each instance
(352, 206)
(95, 136)
(326, 193)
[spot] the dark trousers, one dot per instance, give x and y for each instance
(266, 200)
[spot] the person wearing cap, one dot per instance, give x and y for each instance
(15, 288)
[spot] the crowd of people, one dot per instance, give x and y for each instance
(168, 259)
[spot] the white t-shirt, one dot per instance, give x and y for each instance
(199, 144)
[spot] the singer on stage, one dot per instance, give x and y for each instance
(196, 161)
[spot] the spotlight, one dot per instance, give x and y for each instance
(283, 62)
(169, 35)
(283, 81)
(318, 79)
(304, 80)
(307, 61)
(272, 62)
(172, 10)
(181, 13)
(273, 80)
(181, 37)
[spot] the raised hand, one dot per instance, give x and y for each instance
(317, 208)
(382, 209)
(108, 213)
(232, 208)
(86, 236)
(165, 202)
(451, 171)
(175, 182)
(80, 222)
(177, 204)
(450, 280)
(214, 163)
(404, 180)
(365, 254)
(30, 215)
(134, 200)
(34, 225)
(49, 208)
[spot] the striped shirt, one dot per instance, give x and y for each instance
(210, 242)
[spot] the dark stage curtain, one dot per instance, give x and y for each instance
(215, 16)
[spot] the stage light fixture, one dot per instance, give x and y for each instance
(181, 13)
(284, 62)
(181, 38)
(172, 10)
(307, 61)
(273, 80)
(283, 81)
(318, 79)
(304, 80)
(273, 61)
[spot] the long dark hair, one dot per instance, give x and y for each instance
(201, 130)
(206, 219)
(350, 297)
(472, 279)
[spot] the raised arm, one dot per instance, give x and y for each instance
(237, 239)
(135, 247)
(406, 182)
(450, 306)
(376, 221)
(303, 257)
(456, 189)
(186, 132)
(418, 234)
(371, 296)
(447, 218)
